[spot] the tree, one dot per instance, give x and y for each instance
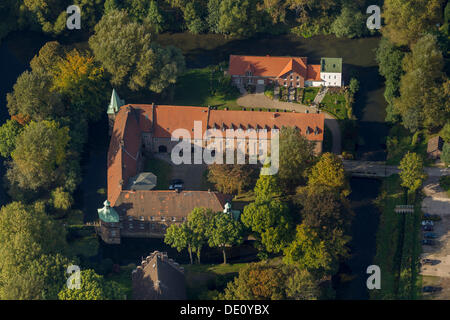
(350, 23)
(268, 216)
(126, 50)
(445, 156)
(155, 17)
(200, 221)
(229, 178)
(180, 237)
(192, 17)
(329, 172)
(323, 209)
(236, 18)
(8, 135)
(93, 287)
(47, 59)
(61, 199)
(445, 133)
(258, 281)
(296, 155)
(48, 13)
(79, 78)
(39, 156)
(225, 231)
(422, 95)
(30, 246)
(354, 85)
(407, 20)
(315, 253)
(32, 96)
(412, 173)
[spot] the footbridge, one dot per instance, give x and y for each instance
(379, 169)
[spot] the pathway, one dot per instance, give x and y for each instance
(319, 97)
(261, 101)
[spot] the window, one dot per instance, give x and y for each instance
(163, 218)
(298, 84)
(285, 83)
(335, 77)
(174, 219)
(113, 233)
(152, 218)
(130, 218)
(141, 226)
(298, 77)
(141, 218)
(130, 226)
(291, 78)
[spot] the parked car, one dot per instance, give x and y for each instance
(430, 235)
(428, 242)
(434, 217)
(427, 223)
(426, 261)
(427, 228)
(431, 289)
(176, 184)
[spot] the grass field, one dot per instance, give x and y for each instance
(194, 89)
(398, 245)
(309, 94)
(205, 281)
(339, 110)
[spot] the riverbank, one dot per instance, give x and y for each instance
(398, 245)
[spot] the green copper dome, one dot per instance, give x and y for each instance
(107, 213)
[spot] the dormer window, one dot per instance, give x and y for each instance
(248, 73)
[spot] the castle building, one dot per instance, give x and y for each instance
(133, 208)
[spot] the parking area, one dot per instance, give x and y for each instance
(193, 175)
(438, 272)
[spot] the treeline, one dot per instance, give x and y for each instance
(413, 56)
(236, 18)
(299, 218)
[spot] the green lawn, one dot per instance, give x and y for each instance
(123, 278)
(444, 182)
(334, 103)
(309, 94)
(205, 281)
(194, 89)
(162, 170)
(398, 245)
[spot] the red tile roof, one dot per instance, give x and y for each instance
(267, 66)
(132, 120)
(262, 119)
(167, 203)
(313, 72)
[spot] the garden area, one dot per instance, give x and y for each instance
(309, 94)
(205, 87)
(335, 104)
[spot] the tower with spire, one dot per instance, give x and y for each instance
(113, 108)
